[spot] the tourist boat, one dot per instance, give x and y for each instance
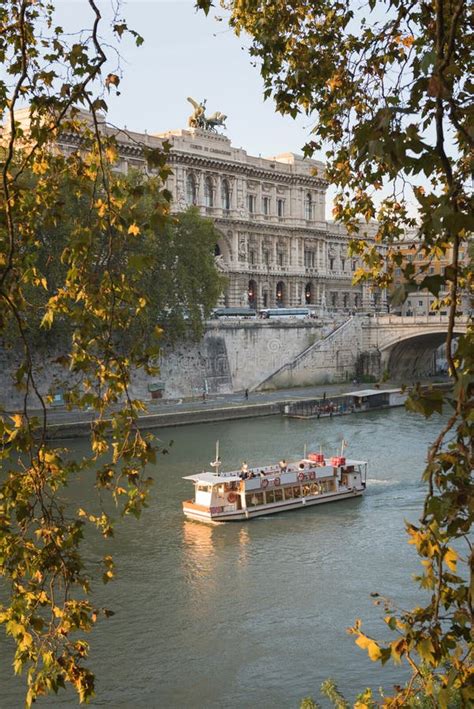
(253, 492)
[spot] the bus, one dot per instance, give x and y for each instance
(284, 313)
(234, 313)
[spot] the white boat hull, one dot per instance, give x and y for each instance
(202, 515)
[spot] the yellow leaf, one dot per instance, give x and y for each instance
(425, 650)
(17, 420)
(374, 651)
(443, 698)
(363, 641)
(450, 559)
(133, 229)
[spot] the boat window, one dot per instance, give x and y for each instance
(254, 499)
(204, 488)
(270, 496)
(306, 490)
(278, 495)
(289, 493)
(297, 491)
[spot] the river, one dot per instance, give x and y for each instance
(255, 614)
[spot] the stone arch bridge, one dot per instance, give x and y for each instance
(368, 346)
(404, 346)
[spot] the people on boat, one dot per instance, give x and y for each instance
(282, 465)
(244, 471)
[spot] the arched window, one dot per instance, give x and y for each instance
(225, 194)
(191, 190)
(217, 250)
(308, 207)
(208, 192)
(308, 294)
(280, 293)
(252, 294)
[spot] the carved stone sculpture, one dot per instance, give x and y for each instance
(198, 119)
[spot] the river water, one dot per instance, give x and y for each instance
(255, 613)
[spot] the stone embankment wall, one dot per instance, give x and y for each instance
(332, 358)
(230, 357)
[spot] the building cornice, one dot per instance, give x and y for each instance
(252, 171)
(281, 229)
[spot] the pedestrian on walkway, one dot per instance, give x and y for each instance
(246, 395)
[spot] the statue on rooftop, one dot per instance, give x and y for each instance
(198, 119)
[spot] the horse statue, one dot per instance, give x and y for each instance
(217, 119)
(198, 119)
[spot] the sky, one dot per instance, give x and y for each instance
(185, 54)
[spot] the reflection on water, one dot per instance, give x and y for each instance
(254, 613)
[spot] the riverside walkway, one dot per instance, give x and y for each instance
(177, 412)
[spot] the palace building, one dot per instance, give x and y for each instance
(275, 247)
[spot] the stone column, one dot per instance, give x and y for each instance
(200, 188)
(259, 205)
(235, 246)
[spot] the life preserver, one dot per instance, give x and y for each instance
(277, 482)
(312, 476)
(301, 477)
(231, 497)
(264, 482)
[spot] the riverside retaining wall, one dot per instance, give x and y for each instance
(232, 356)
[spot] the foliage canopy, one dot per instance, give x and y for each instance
(88, 258)
(387, 86)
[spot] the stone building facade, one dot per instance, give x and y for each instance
(275, 246)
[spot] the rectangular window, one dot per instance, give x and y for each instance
(266, 258)
(266, 205)
(288, 493)
(420, 303)
(353, 266)
(270, 496)
(281, 207)
(254, 498)
(278, 494)
(331, 264)
(297, 491)
(280, 259)
(252, 257)
(251, 203)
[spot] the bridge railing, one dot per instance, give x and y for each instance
(432, 319)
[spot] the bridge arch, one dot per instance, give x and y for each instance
(412, 356)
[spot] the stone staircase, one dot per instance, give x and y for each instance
(330, 359)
